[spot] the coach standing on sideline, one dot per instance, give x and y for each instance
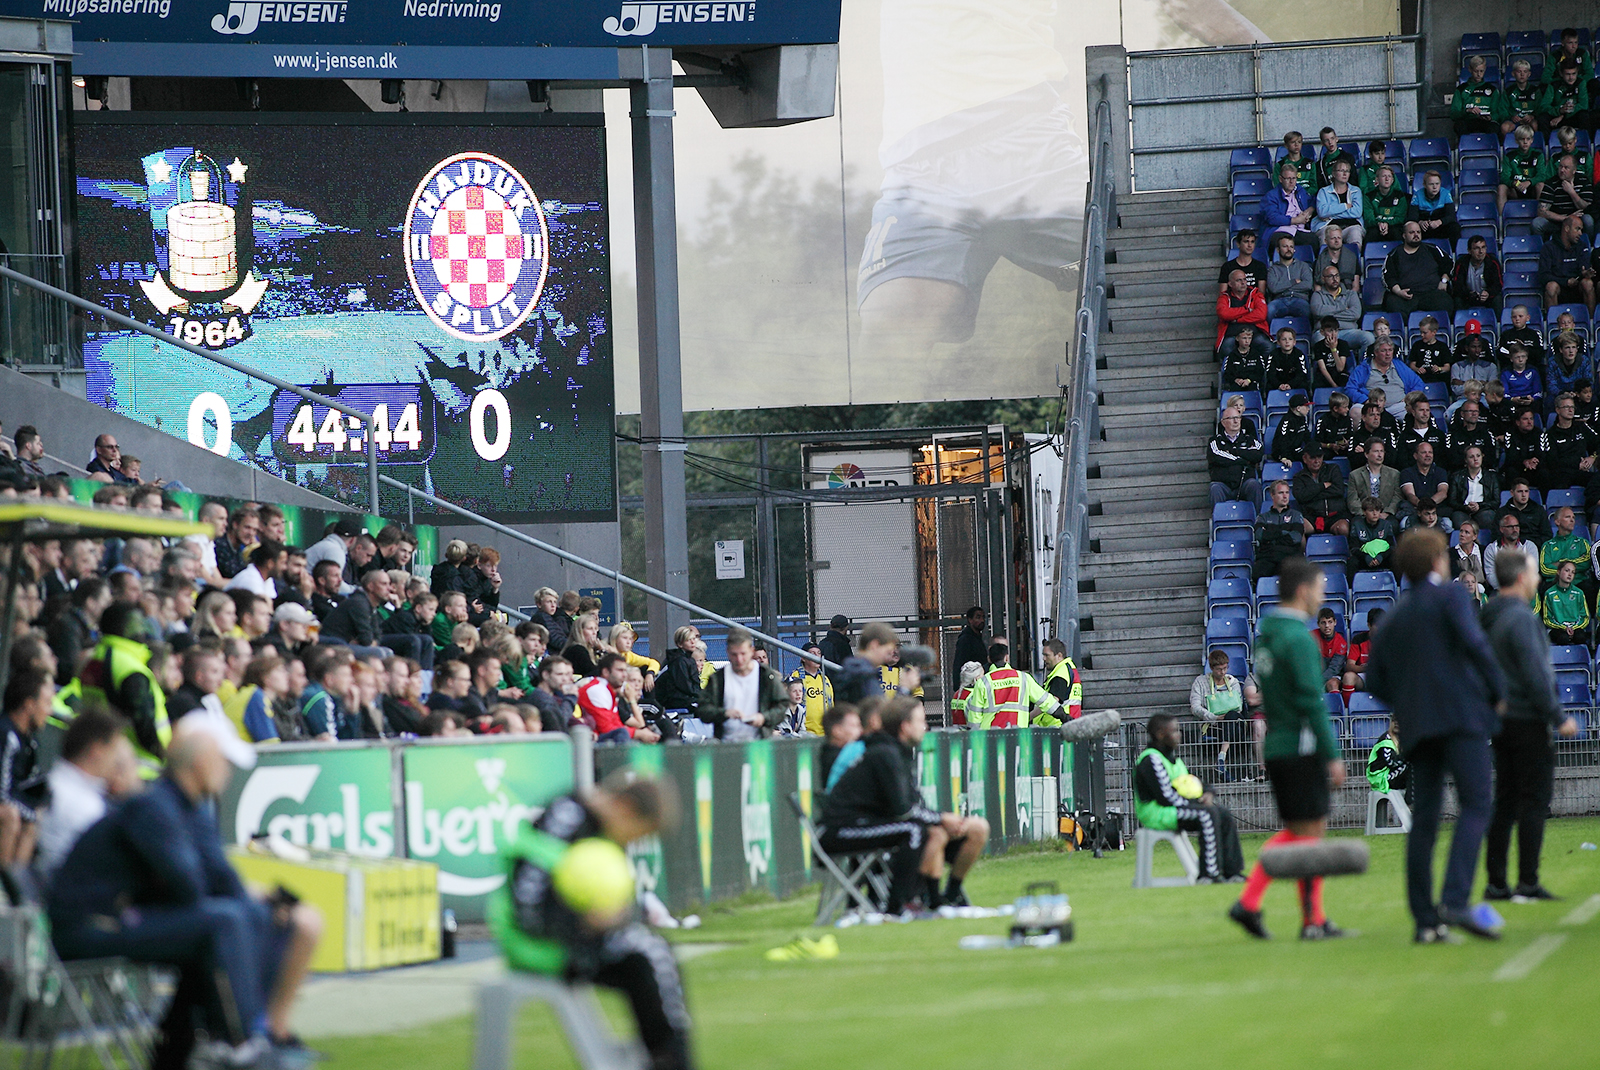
(1432, 665)
(1524, 755)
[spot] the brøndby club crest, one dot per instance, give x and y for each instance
(477, 246)
(201, 222)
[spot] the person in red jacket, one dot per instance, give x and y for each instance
(1240, 304)
(597, 700)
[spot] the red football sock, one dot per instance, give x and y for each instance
(1255, 887)
(1345, 691)
(1318, 917)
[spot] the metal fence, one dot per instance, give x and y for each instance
(1246, 793)
(1189, 108)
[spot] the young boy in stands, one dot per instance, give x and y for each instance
(1355, 666)
(1286, 367)
(1335, 650)
(1300, 750)
(1430, 357)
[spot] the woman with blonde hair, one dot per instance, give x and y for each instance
(622, 637)
(215, 617)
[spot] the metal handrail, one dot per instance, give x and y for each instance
(1083, 420)
(120, 320)
(604, 570)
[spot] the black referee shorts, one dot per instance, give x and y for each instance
(1300, 787)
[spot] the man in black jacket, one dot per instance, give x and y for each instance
(1524, 757)
(1280, 532)
(678, 686)
(836, 645)
(970, 645)
(1233, 459)
(876, 806)
(355, 620)
(1319, 492)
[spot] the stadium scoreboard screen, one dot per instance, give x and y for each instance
(451, 278)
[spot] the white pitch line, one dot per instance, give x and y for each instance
(1528, 959)
(1583, 912)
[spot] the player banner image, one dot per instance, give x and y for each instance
(449, 278)
(317, 796)
(464, 802)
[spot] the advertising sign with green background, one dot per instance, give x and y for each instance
(320, 796)
(464, 802)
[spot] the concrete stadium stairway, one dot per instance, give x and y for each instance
(1143, 580)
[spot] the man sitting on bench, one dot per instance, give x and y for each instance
(541, 932)
(876, 805)
(1167, 797)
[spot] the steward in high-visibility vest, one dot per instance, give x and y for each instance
(118, 675)
(543, 928)
(1003, 697)
(970, 672)
(1063, 680)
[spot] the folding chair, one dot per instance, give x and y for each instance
(862, 879)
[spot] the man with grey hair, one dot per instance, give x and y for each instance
(744, 699)
(1524, 754)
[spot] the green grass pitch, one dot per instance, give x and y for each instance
(1155, 978)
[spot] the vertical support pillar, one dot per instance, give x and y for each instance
(666, 527)
(766, 542)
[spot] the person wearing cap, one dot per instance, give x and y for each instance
(1319, 493)
(1477, 280)
(835, 644)
(151, 883)
(1293, 434)
(335, 545)
(291, 630)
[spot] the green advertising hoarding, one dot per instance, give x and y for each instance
(326, 797)
(464, 802)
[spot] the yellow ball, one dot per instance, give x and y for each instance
(1188, 785)
(594, 877)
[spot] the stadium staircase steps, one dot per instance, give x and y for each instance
(1142, 584)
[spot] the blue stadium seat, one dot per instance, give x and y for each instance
(1570, 496)
(1535, 315)
(1246, 194)
(1231, 559)
(1553, 41)
(1232, 516)
(1366, 729)
(1227, 609)
(1223, 629)
(1321, 398)
(1236, 223)
(1574, 692)
(1477, 147)
(1529, 44)
(1478, 198)
(1358, 623)
(1362, 702)
(1335, 704)
(1432, 150)
(1378, 251)
(1337, 591)
(1580, 313)
(1518, 217)
(1327, 548)
(1230, 591)
(1272, 471)
(1568, 657)
(1300, 324)
(1487, 45)
(1437, 394)
(1249, 161)
(1478, 177)
(1582, 140)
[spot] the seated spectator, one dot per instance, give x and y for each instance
(335, 546)
(1159, 805)
(1372, 538)
(323, 704)
(1567, 145)
(1430, 356)
(1254, 268)
(1419, 428)
(30, 451)
(1532, 519)
(1377, 159)
(1527, 447)
(1471, 363)
(267, 561)
(204, 669)
(1565, 271)
(326, 582)
(1477, 281)
(549, 614)
(1217, 698)
(1382, 373)
(1355, 666)
(1510, 538)
(1565, 546)
(1280, 532)
(74, 628)
(622, 637)
(415, 617)
(1424, 483)
(556, 696)
(24, 792)
(242, 961)
(1584, 407)
(464, 641)
(1336, 428)
(355, 620)
(1427, 515)
(1319, 494)
(742, 698)
(244, 526)
(1569, 48)
(1375, 423)
(1523, 333)
(1374, 480)
(597, 700)
(1565, 609)
(1565, 194)
(215, 617)
(1329, 156)
(1572, 445)
(452, 612)
(1522, 169)
(1467, 555)
(1416, 276)
(1434, 210)
(254, 615)
(1565, 100)
(1238, 306)
(1475, 107)
(1286, 365)
(1499, 415)
(1288, 282)
(1233, 460)
(1339, 205)
(1293, 436)
(1519, 99)
(1335, 253)
(678, 686)
(96, 764)
(1473, 491)
(1385, 206)
(263, 690)
(1334, 648)
(1567, 367)
(1330, 355)
(1523, 385)
(1289, 207)
(107, 461)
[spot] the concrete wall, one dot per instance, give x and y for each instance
(69, 426)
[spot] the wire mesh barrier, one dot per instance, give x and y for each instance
(1225, 756)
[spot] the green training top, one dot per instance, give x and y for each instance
(1289, 668)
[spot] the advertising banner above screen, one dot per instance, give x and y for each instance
(414, 38)
(451, 278)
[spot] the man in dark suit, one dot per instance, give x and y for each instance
(1432, 665)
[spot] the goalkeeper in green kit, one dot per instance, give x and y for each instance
(1300, 751)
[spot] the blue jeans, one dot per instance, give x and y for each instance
(1293, 305)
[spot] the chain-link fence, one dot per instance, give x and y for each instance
(1225, 756)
